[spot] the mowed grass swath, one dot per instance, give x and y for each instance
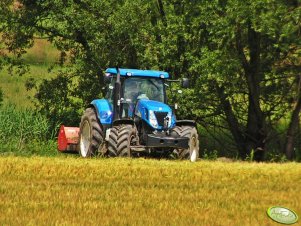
(75, 191)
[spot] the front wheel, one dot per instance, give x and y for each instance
(120, 139)
(191, 153)
(91, 134)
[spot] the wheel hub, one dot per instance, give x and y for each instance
(85, 139)
(193, 154)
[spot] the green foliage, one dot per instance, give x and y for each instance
(25, 132)
(242, 57)
(250, 157)
(1, 96)
(57, 102)
(276, 156)
(210, 155)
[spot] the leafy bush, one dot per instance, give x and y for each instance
(24, 132)
(58, 103)
(210, 155)
(276, 156)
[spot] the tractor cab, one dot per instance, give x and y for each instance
(135, 85)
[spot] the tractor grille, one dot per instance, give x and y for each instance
(160, 117)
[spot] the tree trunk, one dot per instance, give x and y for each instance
(255, 134)
(232, 122)
(290, 135)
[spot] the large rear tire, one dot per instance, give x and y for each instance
(191, 153)
(120, 139)
(91, 134)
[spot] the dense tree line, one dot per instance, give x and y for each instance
(243, 58)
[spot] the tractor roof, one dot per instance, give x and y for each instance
(138, 73)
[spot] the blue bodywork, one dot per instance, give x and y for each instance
(104, 111)
(141, 73)
(145, 109)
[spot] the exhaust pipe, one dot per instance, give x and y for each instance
(116, 103)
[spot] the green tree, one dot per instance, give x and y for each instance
(246, 54)
(86, 34)
(243, 58)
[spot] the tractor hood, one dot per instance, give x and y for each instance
(154, 105)
(156, 114)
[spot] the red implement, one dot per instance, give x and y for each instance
(68, 139)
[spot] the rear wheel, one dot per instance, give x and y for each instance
(120, 139)
(191, 153)
(91, 134)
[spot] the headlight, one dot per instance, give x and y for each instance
(152, 119)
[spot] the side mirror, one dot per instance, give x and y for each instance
(185, 83)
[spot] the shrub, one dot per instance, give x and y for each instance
(24, 131)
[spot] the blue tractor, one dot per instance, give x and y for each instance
(135, 118)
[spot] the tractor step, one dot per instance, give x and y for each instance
(138, 148)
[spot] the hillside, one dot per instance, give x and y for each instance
(39, 59)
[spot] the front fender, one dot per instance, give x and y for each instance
(104, 111)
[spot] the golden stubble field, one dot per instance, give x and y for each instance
(75, 191)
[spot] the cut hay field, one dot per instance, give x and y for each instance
(75, 191)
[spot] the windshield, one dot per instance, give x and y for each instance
(144, 88)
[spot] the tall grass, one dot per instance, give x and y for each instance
(25, 132)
